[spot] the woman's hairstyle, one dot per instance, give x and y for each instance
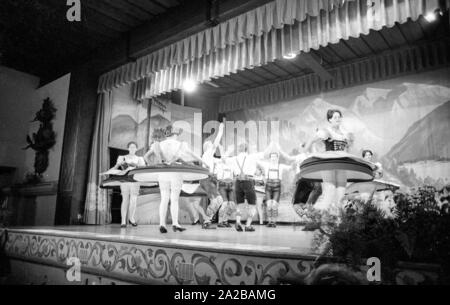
(169, 131)
(131, 143)
(158, 135)
(243, 147)
(331, 112)
(365, 151)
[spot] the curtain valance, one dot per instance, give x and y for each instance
(348, 20)
(273, 15)
(392, 64)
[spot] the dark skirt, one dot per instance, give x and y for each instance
(356, 171)
(306, 192)
(115, 181)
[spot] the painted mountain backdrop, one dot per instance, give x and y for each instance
(405, 121)
(426, 139)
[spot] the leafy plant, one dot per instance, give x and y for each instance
(418, 232)
(45, 138)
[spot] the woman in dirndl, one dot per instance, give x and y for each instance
(170, 152)
(129, 188)
(335, 167)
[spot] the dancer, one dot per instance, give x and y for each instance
(368, 156)
(335, 167)
(225, 179)
(171, 150)
(210, 185)
(244, 167)
(306, 192)
(273, 173)
(129, 188)
(377, 190)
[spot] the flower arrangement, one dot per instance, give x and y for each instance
(417, 231)
(43, 140)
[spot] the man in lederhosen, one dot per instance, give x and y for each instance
(244, 167)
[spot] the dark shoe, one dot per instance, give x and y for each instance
(208, 226)
(249, 229)
(162, 229)
(132, 223)
(238, 228)
(123, 226)
(179, 229)
(196, 222)
(224, 225)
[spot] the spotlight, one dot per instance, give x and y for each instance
(430, 16)
(189, 85)
(290, 56)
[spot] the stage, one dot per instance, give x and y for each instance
(142, 255)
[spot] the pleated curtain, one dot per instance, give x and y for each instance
(97, 205)
(257, 37)
(389, 65)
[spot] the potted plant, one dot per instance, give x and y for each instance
(413, 245)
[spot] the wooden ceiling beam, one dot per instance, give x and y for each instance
(169, 3)
(148, 6)
(312, 62)
(115, 15)
(107, 22)
(94, 27)
(158, 3)
(130, 9)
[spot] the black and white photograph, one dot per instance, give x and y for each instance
(225, 149)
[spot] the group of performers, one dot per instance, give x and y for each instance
(229, 180)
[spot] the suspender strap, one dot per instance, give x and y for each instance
(271, 169)
(241, 167)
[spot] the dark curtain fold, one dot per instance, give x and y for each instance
(97, 209)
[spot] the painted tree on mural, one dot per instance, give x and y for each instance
(44, 138)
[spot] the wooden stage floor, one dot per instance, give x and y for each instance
(283, 241)
(145, 256)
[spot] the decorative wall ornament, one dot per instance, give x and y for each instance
(148, 264)
(153, 264)
(43, 140)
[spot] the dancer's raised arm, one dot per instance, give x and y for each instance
(150, 152)
(219, 135)
(192, 154)
(321, 135)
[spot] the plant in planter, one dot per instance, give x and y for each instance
(42, 141)
(418, 233)
(423, 228)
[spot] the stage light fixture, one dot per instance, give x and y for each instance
(430, 16)
(290, 56)
(189, 85)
